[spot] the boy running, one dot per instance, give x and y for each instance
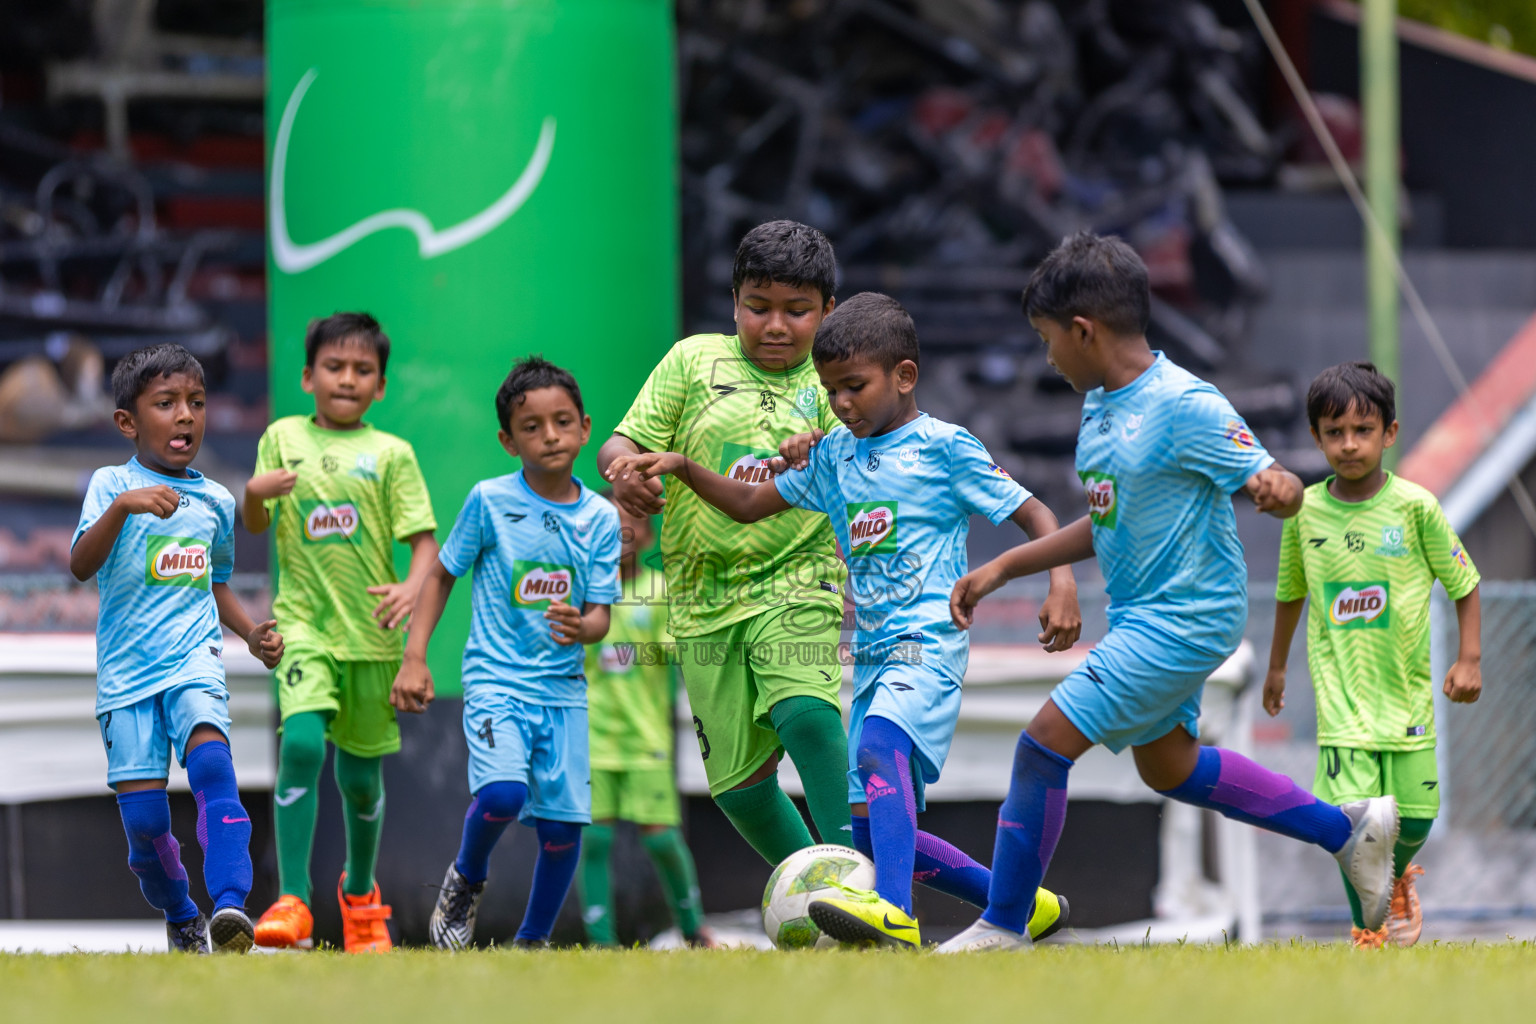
(899, 488)
(1160, 453)
(1366, 549)
(342, 492)
(545, 554)
(631, 687)
(727, 402)
(160, 538)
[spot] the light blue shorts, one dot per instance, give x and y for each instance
(141, 737)
(916, 686)
(544, 748)
(1137, 685)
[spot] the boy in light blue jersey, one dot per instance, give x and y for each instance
(899, 487)
(159, 537)
(545, 555)
(1160, 453)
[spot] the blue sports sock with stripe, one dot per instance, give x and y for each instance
(223, 826)
(494, 807)
(1246, 791)
(938, 865)
(1028, 826)
(153, 853)
(559, 852)
(885, 768)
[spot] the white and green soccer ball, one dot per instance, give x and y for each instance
(807, 875)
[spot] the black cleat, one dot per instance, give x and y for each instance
(188, 936)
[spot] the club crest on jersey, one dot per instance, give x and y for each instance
(535, 584)
(1392, 545)
(872, 527)
(366, 467)
(177, 562)
(332, 523)
(1358, 605)
(1103, 497)
(1238, 433)
(805, 404)
(749, 465)
(1132, 426)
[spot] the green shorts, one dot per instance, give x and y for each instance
(1345, 775)
(645, 796)
(735, 675)
(355, 694)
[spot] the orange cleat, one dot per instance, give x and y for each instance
(1367, 939)
(362, 921)
(1406, 918)
(287, 924)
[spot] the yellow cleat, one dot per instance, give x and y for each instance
(1050, 914)
(861, 916)
(287, 924)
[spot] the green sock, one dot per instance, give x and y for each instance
(813, 737)
(1355, 910)
(361, 781)
(1410, 839)
(767, 819)
(674, 863)
(300, 756)
(593, 886)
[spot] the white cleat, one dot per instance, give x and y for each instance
(983, 937)
(1367, 856)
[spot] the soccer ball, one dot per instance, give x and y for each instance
(806, 875)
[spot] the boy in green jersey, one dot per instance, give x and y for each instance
(741, 596)
(630, 691)
(1366, 549)
(341, 493)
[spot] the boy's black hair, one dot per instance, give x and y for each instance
(869, 325)
(530, 374)
(1357, 385)
(343, 327)
(1093, 276)
(134, 372)
(788, 252)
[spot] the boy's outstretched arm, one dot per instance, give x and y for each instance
(261, 488)
(1287, 615)
(261, 638)
(569, 626)
(396, 600)
(1275, 490)
(741, 501)
(1061, 620)
(413, 689)
(639, 496)
(1464, 682)
(95, 544)
(1071, 543)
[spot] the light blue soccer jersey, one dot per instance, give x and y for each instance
(1160, 460)
(527, 551)
(158, 625)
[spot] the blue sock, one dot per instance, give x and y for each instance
(1028, 826)
(885, 768)
(559, 851)
(938, 865)
(223, 826)
(494, 807)
(1243, 790)
(153, 853)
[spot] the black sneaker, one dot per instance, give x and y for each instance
(230, 931)
(531, 943)
(188, 936)
(452, 925)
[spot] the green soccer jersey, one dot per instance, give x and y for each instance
(630, 681)
(1367, 569)
(358, 491)
(708, 401)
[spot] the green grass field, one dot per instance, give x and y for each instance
(1290, 983)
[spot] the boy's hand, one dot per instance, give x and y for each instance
(637, 495)
(1464, 682)
(266, 643)
(397, 601)
(795, 452)
(1275, 490)
(1274, 691)
(158, 500)
(413, 689)
(968, 592)
(645, 466)
(1061, 620)
(564, 621)
(276, 484)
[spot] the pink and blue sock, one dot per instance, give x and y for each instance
(494, 807)
(937, 865)
(885, 768)
(559, 852)
(1028, 826)
(153, 853)
(223, 826)
(1246, 791)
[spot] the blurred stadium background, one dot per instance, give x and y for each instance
(944, 146)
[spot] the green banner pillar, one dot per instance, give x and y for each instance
(490, 180)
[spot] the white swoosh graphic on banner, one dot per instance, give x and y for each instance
(295, 258)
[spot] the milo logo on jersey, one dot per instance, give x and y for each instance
(1103, 498)
(330, 524)
(177, 562)
(535, 584)
(872, 527)
(749, 465)
(1358, 605)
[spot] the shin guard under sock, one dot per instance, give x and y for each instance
(813, 737)
(595, 886)
(223, 826)
(361, 783)
(1246, 791)
(296, 800)
(767, 819)
(559, 852)
(494, 807)
(1028, 826)
(153, 853)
